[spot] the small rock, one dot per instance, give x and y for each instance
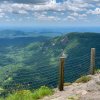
(81, 92)
(84, 92)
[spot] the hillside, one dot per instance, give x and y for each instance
(79, 91)
(28, 63)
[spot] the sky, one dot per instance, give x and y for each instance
(39, 13)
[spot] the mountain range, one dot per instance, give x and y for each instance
(15, 33)
(30, 62)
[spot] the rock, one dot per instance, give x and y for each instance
(80, 91)
(84, 92)
(97, 80)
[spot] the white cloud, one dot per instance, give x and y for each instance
(78, 15)
(48, 6)
(75, 14)
(70, 18)
(96, 11)
(26, 1)
(2, 15)
(47, 18)
(74, 9)
(1, 11)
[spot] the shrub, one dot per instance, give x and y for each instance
(28, 95)
(83, 79)
(43, 91)
(21, 95)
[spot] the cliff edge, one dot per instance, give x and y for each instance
(79, 91)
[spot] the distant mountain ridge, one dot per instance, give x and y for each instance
(11, 33)
(16, 33)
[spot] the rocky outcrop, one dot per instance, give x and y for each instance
(79, 91)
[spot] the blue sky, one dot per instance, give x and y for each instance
(49, 13)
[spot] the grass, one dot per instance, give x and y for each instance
(83, 79)
(97, 71)
(29, 95)
(74, 97)
(67, 84)
(43, 91)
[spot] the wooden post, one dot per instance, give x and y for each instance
(61, 72)
(92, 61)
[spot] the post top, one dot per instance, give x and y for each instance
(92, 48)
(63, 55)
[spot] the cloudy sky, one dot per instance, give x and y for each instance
(50, 12)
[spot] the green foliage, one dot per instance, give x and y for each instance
(1, 98)
(83, 79)
(28, 95)
(21, 95)
(72, 44)
(43, 91)
(67, 84)
(97, 71)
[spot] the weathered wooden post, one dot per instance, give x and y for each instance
(61, 72)
(92, 61)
